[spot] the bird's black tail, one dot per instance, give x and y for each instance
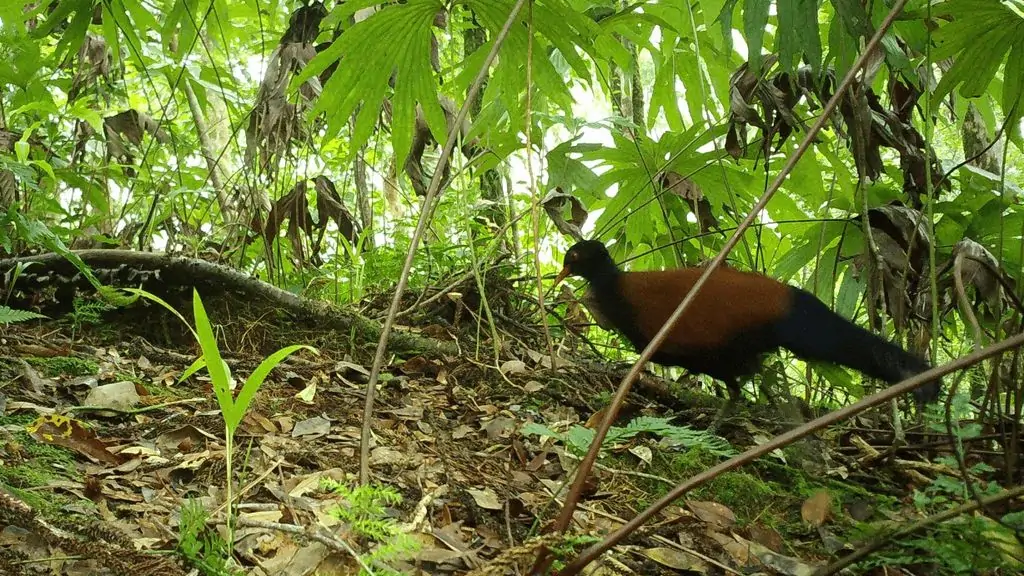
(814, 332)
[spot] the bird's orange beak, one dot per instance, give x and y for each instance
(561, 276)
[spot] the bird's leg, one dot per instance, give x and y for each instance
(734, 392)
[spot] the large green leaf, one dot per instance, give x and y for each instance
(397, 38)
(980, 35)
(798, 33)
(755, 19)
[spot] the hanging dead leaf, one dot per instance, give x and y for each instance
(554, 205)
(329, 205)
(978, 266)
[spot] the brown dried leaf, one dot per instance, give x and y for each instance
(554, 204)
(676, 559)
(712, 513)
(976, 273)
(71, 434)
(766, 536)
(330, 205)
(817, 509)
(485, 498)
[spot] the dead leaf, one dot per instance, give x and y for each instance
(73, 435)
(485, 498)
(513, 367)
(817, 509)
(676, 559)
(554, 205)
(643, 453)
(712, 513)
(766, 536)
(311, 428)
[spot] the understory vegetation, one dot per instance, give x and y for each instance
(278, 299)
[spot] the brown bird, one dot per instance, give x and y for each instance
(735, 320)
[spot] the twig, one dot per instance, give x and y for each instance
(320, 535)
(421, 224)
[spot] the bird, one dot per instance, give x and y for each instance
(735, 320)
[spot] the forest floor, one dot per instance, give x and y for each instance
(113, 464)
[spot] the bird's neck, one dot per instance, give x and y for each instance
(604, 285)
(605, 278)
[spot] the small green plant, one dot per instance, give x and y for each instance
(578, 438)
(205, 550)
(364, 512)
(232, 408)
(87, 313)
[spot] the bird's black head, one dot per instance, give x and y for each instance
(587, 258)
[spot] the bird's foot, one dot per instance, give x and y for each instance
(723, 415)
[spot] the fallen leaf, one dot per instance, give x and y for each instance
(642, 452)
(676, 559)
(513, 367)
(712, 513)
(485, 498)
(816, 509)
(312, 427)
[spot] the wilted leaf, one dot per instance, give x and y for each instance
(554, 204)
(817, 509)
(676, 559)
(712, 513)
(485, 498)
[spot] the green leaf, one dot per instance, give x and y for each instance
(215, 364)
(255, 380)
(850, 291)
(798, 33)
(9, 315)
(755, 19)
(979, 35)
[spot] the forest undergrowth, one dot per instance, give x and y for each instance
(469, 454)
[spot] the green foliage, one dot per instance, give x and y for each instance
(87, 313)
(979, 36)
(202, 546)
(65, 366)
(961, 546)
(364, 512)
(578, 438)
(9, 315)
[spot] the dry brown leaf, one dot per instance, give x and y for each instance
(817, 509)
(782, 564)
(766, 536)
(513, 367)
(63, 431)
(712, 513)
(554, 205)
(485, 498)
(676, 559)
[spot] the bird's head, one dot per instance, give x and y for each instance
(586, 258)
